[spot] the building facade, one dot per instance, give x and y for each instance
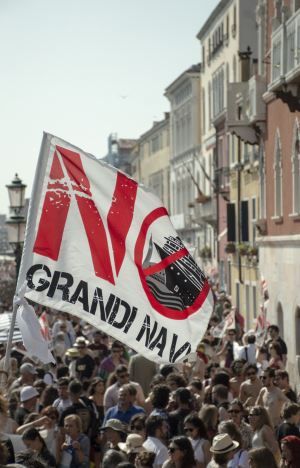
(229, 30)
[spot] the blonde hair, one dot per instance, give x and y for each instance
(264, 418)
(76, 419)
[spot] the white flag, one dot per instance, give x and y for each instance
(101, 246)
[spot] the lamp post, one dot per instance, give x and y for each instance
(16, 222)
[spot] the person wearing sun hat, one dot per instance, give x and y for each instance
(223, 448)
(114, 432)
(72, 354)
(132, 446)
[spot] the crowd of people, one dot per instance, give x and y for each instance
(101, 404)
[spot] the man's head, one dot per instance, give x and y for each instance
(126, 395)
(97, 337)
(291, 410)
(195, 387)
(156, 427)
(219, 393)
(28, 374)
(122, 374)
(214, 320)
(112, 458)
(81, 346)
(160, 396)
(237, 367)
(175, 381)
(251, 371)
(62, 371)
(75, 390)
(115, 349)
(63, 388)
(273, 332)
(28, 397)
(281, 379)
(251, 338)
(183, 396)
(64, 316)
(232, 334)
(30, 459)
(267, 377)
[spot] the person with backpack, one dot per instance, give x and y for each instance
(78, 407)
(177, 417)
(248, 352)
(50, 377)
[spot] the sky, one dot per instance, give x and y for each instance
(66, 63)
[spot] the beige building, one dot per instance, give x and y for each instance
(154, 159)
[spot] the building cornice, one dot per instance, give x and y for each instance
(213, 18)
(157, 128)
(185, 76)
(292, 239)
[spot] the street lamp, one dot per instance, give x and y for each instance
(16, 222)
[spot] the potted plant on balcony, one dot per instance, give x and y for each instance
(242, 248)
(201, 199)
(205, 252)
(191, 205)
(253, 251)
(230, 248)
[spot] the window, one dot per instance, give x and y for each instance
(262, 182)
(203, 57)
(168, 137)
(229, 277)
(203, 110)
(227, 73)
(244, 214)
(297, 329)
(233, 149)
(277, 177)
(234, 69)
(218, 92)
(209, 105)
(253, 201)
(280, 321)
(254, 301)
(203, 176)
(247, 306)
(227, 159)
(296, 170)
(222, 274)
(237, 296)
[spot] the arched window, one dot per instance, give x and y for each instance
(227, 73)
(297, 329)
(280, 319)
(203, 110)
(234, 69)
(296, 169)
(277, 177)
(262, 181)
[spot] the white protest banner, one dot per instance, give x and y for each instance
(22, 350)
(46, 330)
(101, 246)
(230, 319)
(227, 322)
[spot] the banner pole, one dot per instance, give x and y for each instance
(10, 338)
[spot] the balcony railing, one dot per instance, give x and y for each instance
(257, 107)
(206, 212)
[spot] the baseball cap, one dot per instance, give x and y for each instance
(113, 424)
(28, 392)
(183, 393)
(28, 368)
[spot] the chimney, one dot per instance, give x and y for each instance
(245, 64)
(254, 67)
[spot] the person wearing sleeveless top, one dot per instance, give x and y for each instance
(263, 435)
(197, 434)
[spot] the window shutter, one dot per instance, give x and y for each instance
(231, 222)
(244, 222)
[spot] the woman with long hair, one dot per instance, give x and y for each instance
(240, 458)
(48, 397)
(209, 415)
(34, 441)
(263, 430)
(275, 361)
(145, 460)
(95, 393)
(181, 454)
(197, 434)
(236, 413)
(262, 457)
(290, 452)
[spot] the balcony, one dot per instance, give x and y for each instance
(285, 59)
(206, 212)
(257, 107)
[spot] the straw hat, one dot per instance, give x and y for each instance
(114, 424)
(134, 444)
(223, 443)
(72, 352)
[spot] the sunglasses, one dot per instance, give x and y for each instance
(136, 428)
(189, 429)
(80, 347)
(234, 411)
(238, 368)
(263, 377)
(115, 351)
(172, 449)
(123, 376)
(231, 334)
(251, 373)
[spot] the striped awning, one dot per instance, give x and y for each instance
(5, 322)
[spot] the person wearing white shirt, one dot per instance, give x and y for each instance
(50, 377)
(248, 352)
(157, 433)
(241, 457)
(63, 401)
